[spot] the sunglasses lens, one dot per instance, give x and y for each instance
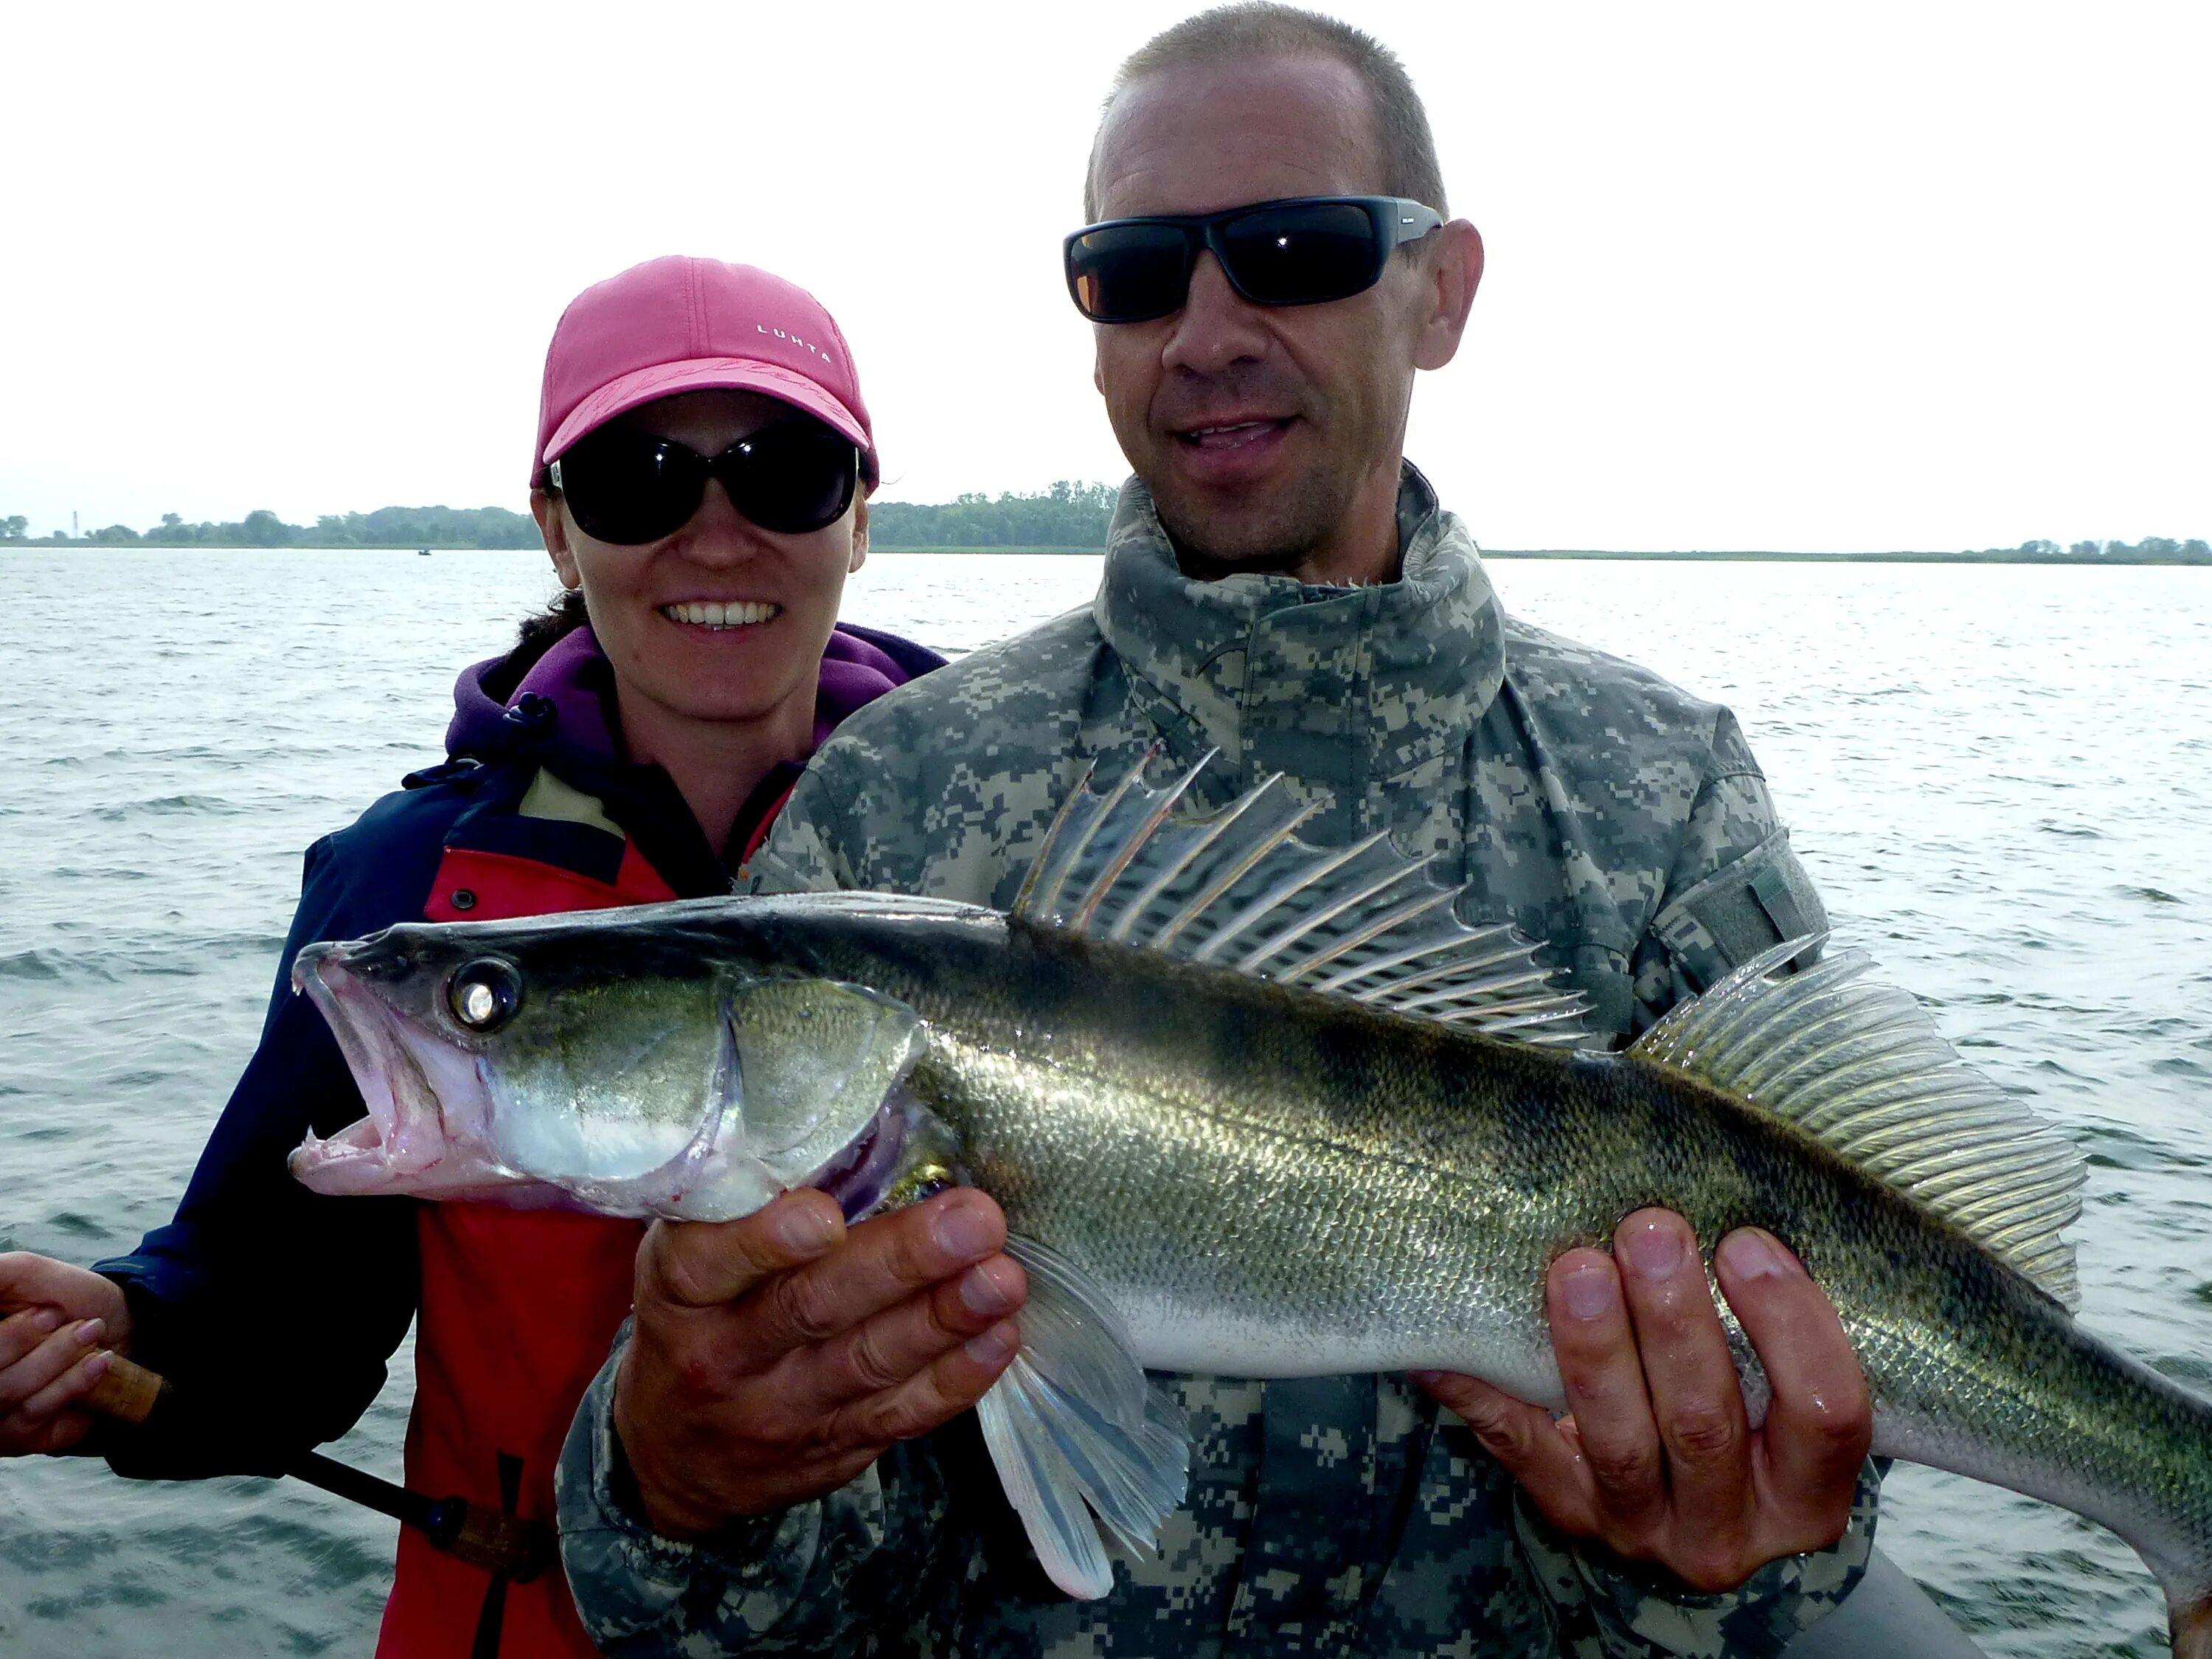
(1303, 256)
(1128, 273)
(794, 476)
(628, 488)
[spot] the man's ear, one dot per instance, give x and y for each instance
(859, 535)
(553, 530)
(1451, 271)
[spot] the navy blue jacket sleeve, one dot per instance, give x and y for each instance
(272, 1309)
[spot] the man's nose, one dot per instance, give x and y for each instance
(1216, 325)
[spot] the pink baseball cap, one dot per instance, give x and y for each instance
(681, 324)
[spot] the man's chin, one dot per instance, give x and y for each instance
(1223, 533)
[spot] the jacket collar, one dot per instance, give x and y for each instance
(557, 713)
(1333, 684)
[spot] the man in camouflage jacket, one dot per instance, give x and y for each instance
(1579, 797)
(779, 1458)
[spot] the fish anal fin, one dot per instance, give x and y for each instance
(1081, 1437)
(1238, 887)
(1860, 1066)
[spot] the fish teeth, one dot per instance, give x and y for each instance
(711, 613)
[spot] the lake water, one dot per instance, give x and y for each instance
(2001, 777)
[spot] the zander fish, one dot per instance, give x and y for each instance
(1257, 1108)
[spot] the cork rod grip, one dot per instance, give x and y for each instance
(125, 1391)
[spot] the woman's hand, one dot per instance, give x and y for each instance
(62, 1324)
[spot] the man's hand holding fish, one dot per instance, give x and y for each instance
(782, 1354)
(1659, 1459)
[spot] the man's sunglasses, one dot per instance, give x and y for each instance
(1303, 251)
(628, 486)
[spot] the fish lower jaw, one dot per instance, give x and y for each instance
(349, 1162)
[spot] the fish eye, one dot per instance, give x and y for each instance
(485, 994)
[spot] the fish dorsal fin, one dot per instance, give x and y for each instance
(1237, 889)
(1861, 1066)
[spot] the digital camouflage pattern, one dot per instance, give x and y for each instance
(1577, 796)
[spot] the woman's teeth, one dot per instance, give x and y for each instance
(706, 613)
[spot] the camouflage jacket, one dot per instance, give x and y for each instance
(1599, 808)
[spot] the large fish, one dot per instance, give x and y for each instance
(1256, 1109)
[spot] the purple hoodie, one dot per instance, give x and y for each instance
(857, 667)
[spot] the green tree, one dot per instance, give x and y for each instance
(15, 528)
(115, 535)
(262, 528)
(1068, 514)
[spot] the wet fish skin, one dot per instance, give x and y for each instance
(1302, 1186)
(1268, 1182)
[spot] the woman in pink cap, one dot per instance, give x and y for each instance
(701, 474)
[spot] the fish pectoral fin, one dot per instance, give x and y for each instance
(1076, 1429)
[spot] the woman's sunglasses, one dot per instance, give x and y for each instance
(1303, 251)
(628, 486)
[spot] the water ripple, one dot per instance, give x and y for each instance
(2047, 882)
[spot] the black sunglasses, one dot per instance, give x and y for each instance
(1302, 251)
(628, 486)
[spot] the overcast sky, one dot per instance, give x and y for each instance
(1835, 275)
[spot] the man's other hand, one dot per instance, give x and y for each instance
(777, 1356)
(1657, 1461)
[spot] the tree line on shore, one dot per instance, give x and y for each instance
(2151, 550)
(1069, 516)
(387, 527)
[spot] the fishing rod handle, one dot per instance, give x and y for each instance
(125, 1390)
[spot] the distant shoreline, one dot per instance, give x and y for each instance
(1777, 556)
(1069, 517)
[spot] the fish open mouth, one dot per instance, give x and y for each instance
(424, 1096)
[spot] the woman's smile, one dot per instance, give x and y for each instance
(721, 615)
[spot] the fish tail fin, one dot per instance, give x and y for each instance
(1077, 1430)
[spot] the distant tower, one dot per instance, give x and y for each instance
(72, 522)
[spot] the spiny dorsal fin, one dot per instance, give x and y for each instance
(1861, 1066)
(1238, 889)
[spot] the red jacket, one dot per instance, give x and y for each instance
(514, 1310)
(518, 1310)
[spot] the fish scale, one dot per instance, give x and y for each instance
(1207, 1171)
